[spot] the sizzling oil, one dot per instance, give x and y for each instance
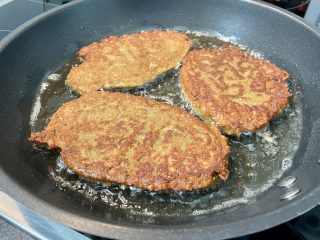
(256, 162)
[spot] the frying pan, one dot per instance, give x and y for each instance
(45, 43)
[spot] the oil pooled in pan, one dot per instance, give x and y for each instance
(256, 161)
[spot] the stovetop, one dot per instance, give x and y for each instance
(15, 12)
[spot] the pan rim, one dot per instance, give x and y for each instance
(179, 232)
(31, 22)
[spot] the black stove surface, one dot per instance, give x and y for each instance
(15, 12)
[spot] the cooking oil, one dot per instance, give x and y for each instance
(256, 162)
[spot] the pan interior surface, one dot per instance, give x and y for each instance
(45, 45)
(257, 160)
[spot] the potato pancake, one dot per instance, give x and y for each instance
(239, 92)
(130, 140)
(127, 61)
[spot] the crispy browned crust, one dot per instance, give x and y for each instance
(237, 91)
(126, 139)
(127, 61)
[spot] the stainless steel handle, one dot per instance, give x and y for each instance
(34, 224)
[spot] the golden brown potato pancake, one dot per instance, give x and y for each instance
(239, 92)
(126, 139)
(127, 61)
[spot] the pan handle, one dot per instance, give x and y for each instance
(32, 223)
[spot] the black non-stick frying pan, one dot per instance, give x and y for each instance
(44, 44)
